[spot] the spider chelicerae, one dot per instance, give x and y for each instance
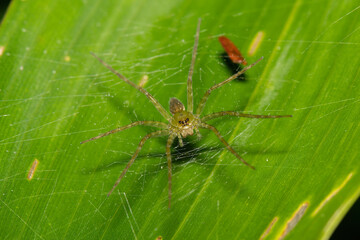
(181, 122)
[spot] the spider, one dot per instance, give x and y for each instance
(181, 122)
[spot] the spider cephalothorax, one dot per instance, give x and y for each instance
(181, 123)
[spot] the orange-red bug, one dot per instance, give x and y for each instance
(232, 51)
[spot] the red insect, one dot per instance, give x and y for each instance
(232, 50)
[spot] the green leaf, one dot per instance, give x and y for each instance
(54, 94)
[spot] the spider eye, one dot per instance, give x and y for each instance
(179, 121)
(187, 120)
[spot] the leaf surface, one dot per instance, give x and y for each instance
(54, 95)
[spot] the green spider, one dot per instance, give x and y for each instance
(181, 122)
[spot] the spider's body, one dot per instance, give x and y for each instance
(181, 122)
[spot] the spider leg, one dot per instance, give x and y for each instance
(157, 105)
(237, 114)
(190, 100)
(198, 133)
(148, 123)
(201, 105)
(209, 127)
(168, 156)
(181, 143)
(143, 140)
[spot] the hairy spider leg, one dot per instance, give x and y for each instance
(155, 102)
(212, 128)
(146, 123)
(201, 105)
(198, 133)
(143, 140)
(190, 99)
(181, 143)
(237, 114)
(168, 156)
